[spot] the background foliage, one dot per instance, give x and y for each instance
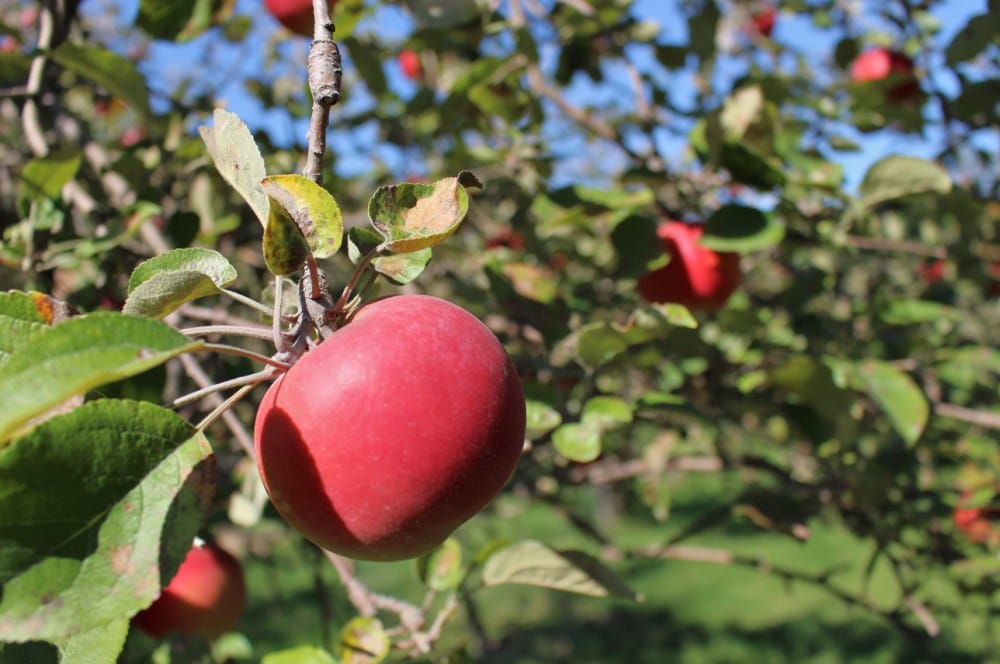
(776, 480)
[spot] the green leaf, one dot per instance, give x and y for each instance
(974, 38)
(312, 208)
(413, 216)
(675, 314)
(532, 563)
(533, 282)
(284, 246)
(77, 355)
(615, 199)
(443, 14)
(111, 71)
(741, 229)
(606, 412)
(914, 312)
(161, 284)
(597, 343)
(299, 655)
(898, 396)
(403, 268)
(32, 652)
(812, 381)
(360, 242)
(580, 442)
(363, 641)
(164, 20)
(237, 158)
(442, 568)
(98, 508)
(899, 176)
(541, 418)
(365, 58)
(44, 177)
(101, 645)
(20, 319)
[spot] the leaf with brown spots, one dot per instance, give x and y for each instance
(97, 510)
(413, 216)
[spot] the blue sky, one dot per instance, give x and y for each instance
(169, 62)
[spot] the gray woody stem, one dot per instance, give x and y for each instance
(324, 85)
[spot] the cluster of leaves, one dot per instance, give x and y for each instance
(852, 379)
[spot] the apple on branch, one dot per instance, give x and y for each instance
(410, 64)
(878, 64)
(762, 20)
(205, 597)
(696, 276)
(296, 15)
(394, 431)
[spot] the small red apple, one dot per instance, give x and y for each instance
(880, 63)
(409, 62)
(506, 237)
(296, 15)
(205, 597)
(394, 431)
(696, 276)
(932, 272)
(763, 20)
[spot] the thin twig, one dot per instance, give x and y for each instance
(357, 592)
(233, 399)
(977, 417)
(250, 379)
(249, 301)
(324, 70)
(254, 332)
(193, 369)
(249, 354)
(897, 246)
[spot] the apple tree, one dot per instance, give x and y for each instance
(556, 304)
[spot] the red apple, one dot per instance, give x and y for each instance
(932, 272)
(763, 20)
(696, 276)
(506, 237)
(394, 431)
(131, 136)
(296, 15)
(205, 597)
(409, 62)
(881, 63)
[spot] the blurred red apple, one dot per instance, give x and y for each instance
(763, 20)
(881, 63)
(506, 237)
(205, 597)
(696, 276)
(131, 136)
(296, 15)
(409, 62)
(394, 431)
(932, 272)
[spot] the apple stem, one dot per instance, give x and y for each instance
(251, 379)
(359, 270)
